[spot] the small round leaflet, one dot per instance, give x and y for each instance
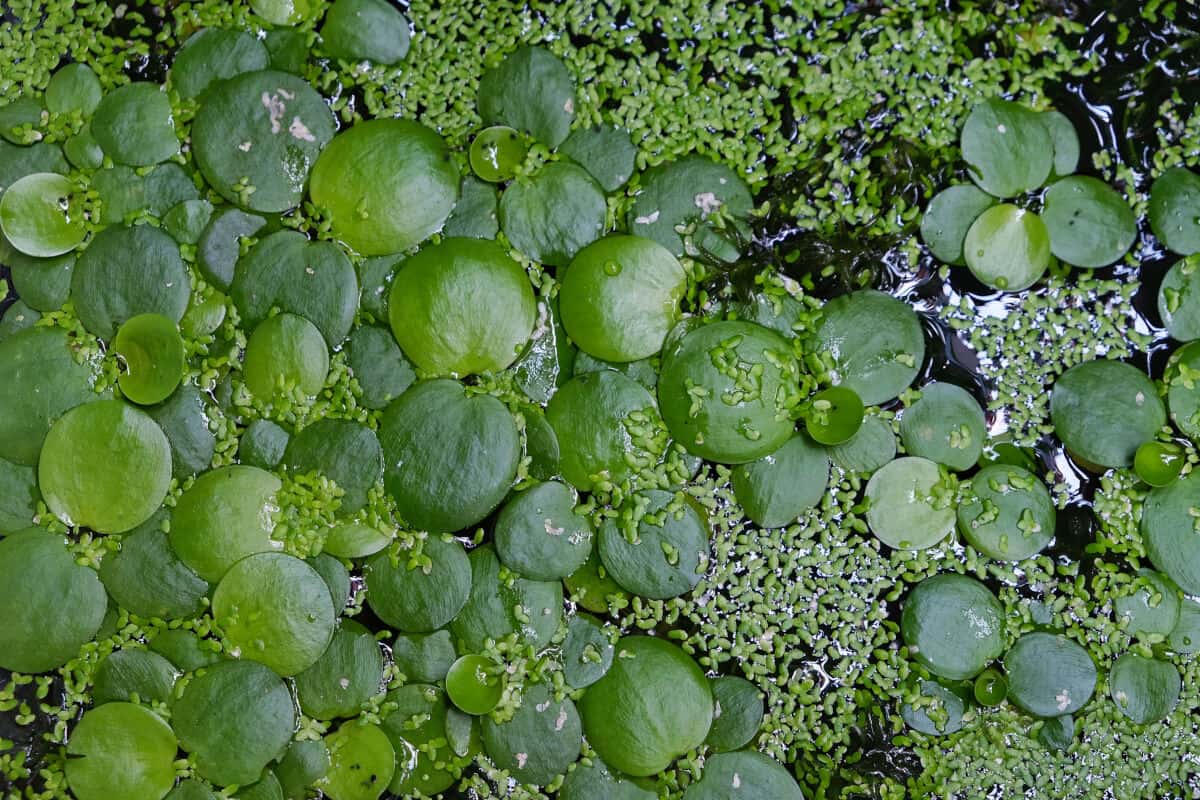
(40, 581)
(1049, 675)
(345, 677)
(953, 625)
(121, 750)
(834, 415)
(151, 354)
(388, 184)
(1179, 299)
(1144, 689)
(907, 511)
(991, 687)
(134, 125)
(1170, 529)
(256, 137)
(1104, 410)
(1089, 223)
(475, 684)
(554, 214)
(652, 706)
(365, 30)
(938, 712)
(275, 609)
(1008, 248)
(945, 425)
(496, 153)
(1159, 463)
(285, 352)
(106, 466)
(1150, 606)
(39, 215)
(532, 91)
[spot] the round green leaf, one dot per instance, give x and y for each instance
(1174, 198)
(587, 653)
(1104, 410)
(554, 214)
(497, 153)
(1008, 248)
(945, 425)
(1007, 513)
(620, 297)
(41, 382)
(740, 776)
(1065, 141)
(342, 450)
(73, 87)
(605, 151)
(233, 718)
(301, 766)
(907, 508)
(275, 609)
(475, 215)
(532, 91)
(124, 675)
(1185, 638)
(419, 594)
(212, 55)
(1089, 223)
(597, 418)
(1007, 147)
(388, 185)
(19, 496)
(876, 343)
(105, 466)
(541, 740)
(461, 307)
(948, 217)
(652, 706)
(872, 447)
(121, 750)
(126, 271)
(502, 604)
(285, 352)
(1178, 299)
(147, 578)
(1169, 528)
(662, 551)
(362, 762)
(685, 193)
(43, 283)
(475, 684)
(710, 402)
(263, 444)
(1183, 392)
(777, 488)
(595, 781)
(257, 135)
(737, 713)
(39, 583)
(424, 657)
(1049, 675)
(380, 367)
(223, 517)
(417, 730)
(1149, 606)
(40, 215)
(314, 280)
(953, 625)
(365, 30)
(539, 535)
(151, 353)
(344, 678)
(425, 434)
(941, 716)
(1144, 689)
(134, 125)
(834, 415)
(218, 250)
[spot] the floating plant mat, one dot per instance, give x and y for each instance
(759, 402)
